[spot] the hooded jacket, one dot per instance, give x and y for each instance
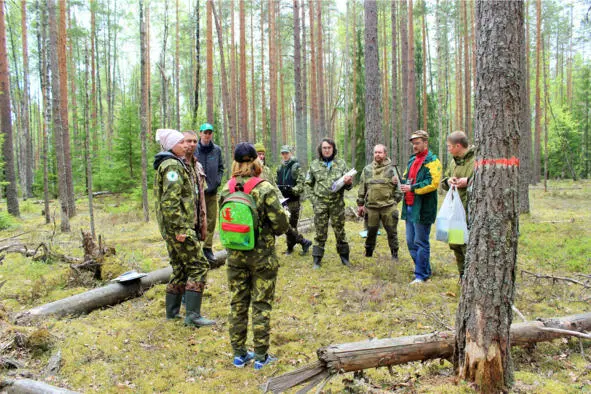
(210, 157)
(376, 189)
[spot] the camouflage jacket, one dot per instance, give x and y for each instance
(198, 177)
(273, 221)
(268, 175)
(290, 174)
(320, 178)
(376, 189)
(461, 167)
(175, 196)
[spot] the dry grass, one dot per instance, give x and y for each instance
(131, 348)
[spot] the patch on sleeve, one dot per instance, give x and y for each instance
(172, 176)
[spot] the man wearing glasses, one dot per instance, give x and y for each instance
(210, 157)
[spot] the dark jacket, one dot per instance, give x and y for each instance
(210, 157)
(424, 209)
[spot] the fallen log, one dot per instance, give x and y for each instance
(29, 386)
(111, 294)
(357, 356)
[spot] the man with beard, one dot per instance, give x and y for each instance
(377, 198)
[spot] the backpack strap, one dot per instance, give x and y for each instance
(251, 184)
(232, 185)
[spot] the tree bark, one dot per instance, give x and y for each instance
(302, 153)
(263, 97)
(177, 71)
(525, 170)
(44, 79)
(373, 91)
(272, 75)
(413, 120)
(209, 61)
(28, 144)
(301, 140)
(197, 67)
(394, 137)
(484, 314)
(87, 153)
(320, 71)
(404, 113)
(315, 118)
(538, 106)
(29, 386)
(144, 110)
(243, 92)
(467, 74)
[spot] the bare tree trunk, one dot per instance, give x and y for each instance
(243, 92)
(394, 137)
(177, 71)
(272, 75)
(320, 71)
(275, 149)
(301, 140)
(467, 74)
(483, 319)
(525, 170)
(225, 93)
(233, 76)
(412, 90)
(63, 76)
(164, 120)
(404, 113)
(148, 70)
(546, 104)
(315, 124)
(93, 112)
(253, 105)
(373, 92)
(197, 67)
(302, 152)
(263, 97)
(6, 121)
(57, 116)
(538, 106)
(28, 145)
(209, 61)
(44, 79)
(72, 78)
(144, 109)
(87, 152)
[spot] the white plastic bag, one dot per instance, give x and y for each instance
(451, 224)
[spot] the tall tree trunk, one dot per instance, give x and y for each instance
(177, 71)
(243, 93)
(272, 75)
(320, 71)
(385, 77)
(301, 141)
(144, 109)
(302, 152)
(225, 94)
(209, 61)
(28, 145)
(44, 79)
(394, 137)
(87, 152)
(233, 75)
(315, 124)
(538, 108)
(93, 111)
(253, 105)
(442, 56)
(373, 92)
(63, 76)
(484, 314)
(425, 108)
(412, 90)
(546, 103)
(404, 113)
(147, 25)
(57, 116)
(72, 80)
(274, 154)
(6, 121)
(569, 63)
(197, 68)
(164, 120)
(525, 135)
(263, 97)
(467, 74)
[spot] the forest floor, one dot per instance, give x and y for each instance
(130, 347)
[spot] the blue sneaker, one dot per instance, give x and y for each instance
(260, 364)
(241, 361)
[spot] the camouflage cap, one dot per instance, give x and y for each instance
(285, 149)
(419, 134)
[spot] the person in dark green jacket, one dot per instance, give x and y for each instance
(419, 207)
(328, 204)
(459, 175)
(176, 211)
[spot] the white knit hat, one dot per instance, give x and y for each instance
(168, 138)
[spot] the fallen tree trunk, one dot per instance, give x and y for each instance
(356, 356)
(111, 294)
(28, 386)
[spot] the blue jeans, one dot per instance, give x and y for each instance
(417, 240)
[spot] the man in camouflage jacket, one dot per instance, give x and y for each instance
(377, 198)
(459, 174)
(252, 274)
(327, 204)
(177, 218)
(290, 181)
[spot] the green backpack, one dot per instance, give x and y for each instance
(239, 217)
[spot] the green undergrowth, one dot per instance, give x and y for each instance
(130, 347)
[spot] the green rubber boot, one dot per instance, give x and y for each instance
(194, 318)
(173, 305)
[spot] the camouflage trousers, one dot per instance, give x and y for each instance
(211, 206)
(335, 211)
(189, 266)
(460, 252)
(251, 283)
(293, 236)
(388, 216)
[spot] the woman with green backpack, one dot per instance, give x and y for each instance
(251, 216)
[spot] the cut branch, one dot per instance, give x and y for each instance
(555, 278)
(357, 356)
